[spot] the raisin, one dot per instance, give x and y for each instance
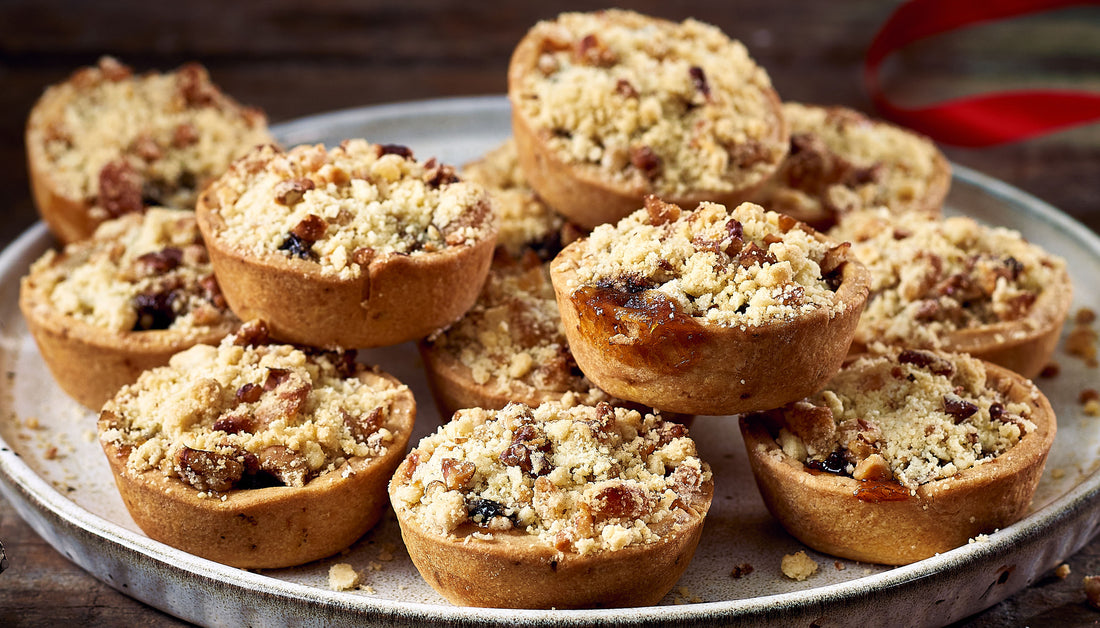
(833, 463)
(297, 247)
(439, 175)
(646, 160)
(162, 261)
(996, 411)
(925, 360)
(699, 80)
(395, 149)
(233, 423)
(154, 310)
(959, 408)
(482, 511)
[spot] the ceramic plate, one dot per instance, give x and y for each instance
(52, 469)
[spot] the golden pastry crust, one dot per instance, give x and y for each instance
(710, 311)
(957, 285)
(267, 457)
(955, 450)
(106, 142)
(357, 246)
(610, 106)
(552, 507)
(107, 308)
(841, 161)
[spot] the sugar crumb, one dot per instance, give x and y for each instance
(1062, 571)
(798, 566)
(342, 577)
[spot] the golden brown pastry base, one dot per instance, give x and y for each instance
(583, 192)
(516, 570)
(89, 363)
(694, 367)
(880, 522)
(265, 527)
(394, 299)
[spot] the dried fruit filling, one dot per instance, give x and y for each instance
(582, 478)
(910, 417)
(247, 414)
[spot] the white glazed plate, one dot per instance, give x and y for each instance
(53, 471)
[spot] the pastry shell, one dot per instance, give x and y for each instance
(515, 570)
(687, 365)
(882, 522)
(583, 192)
(271, 527)
(395, 298)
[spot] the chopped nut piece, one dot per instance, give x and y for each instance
(741, 570)
(873, 467)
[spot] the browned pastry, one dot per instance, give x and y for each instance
(257, 455)
(357, 246)
(957, 285)
(708, 311)
(841, 161)
(107, 308)
(106, 142)
(903, 455)
(552, 507)
(610, 106)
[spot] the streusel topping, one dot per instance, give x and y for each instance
(583, 479)
(739, 267)
(241, 415)
(119, 139)
(841, 161)
(671, 107)
(525, 221)
(138, 272)
(343, 206)
(512, 338)
(913, 416)
(930, 277)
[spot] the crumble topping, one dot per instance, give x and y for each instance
(582, 479)
(343, 206)
(513, 336)
(125, 141)
(525, 221)
(138, 272)
(246, 414)
(930, 277)
(670, 107)
(841, 161)
(914, 417)
(798, 566)
(743, 266)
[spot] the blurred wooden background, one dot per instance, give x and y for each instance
(294, 58)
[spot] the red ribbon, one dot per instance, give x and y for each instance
(983, 120)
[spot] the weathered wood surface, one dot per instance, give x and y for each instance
(294, 58)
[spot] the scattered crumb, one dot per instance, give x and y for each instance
(798, 566)
(367, 589)
(684, 596)
(1081, 342)
(1092, 590)
(839, 565)
(981, 538)
(741, 570)
(1057, 474)
(1050, 370)
(342, 577)
(33, 423)
(1062, 571)
(1092, 407)
(375, 566)
(1087, 395)
(89, 436)
(50, 453)
(385, 554)
(1084, 316)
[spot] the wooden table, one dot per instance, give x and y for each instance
(294, 58)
